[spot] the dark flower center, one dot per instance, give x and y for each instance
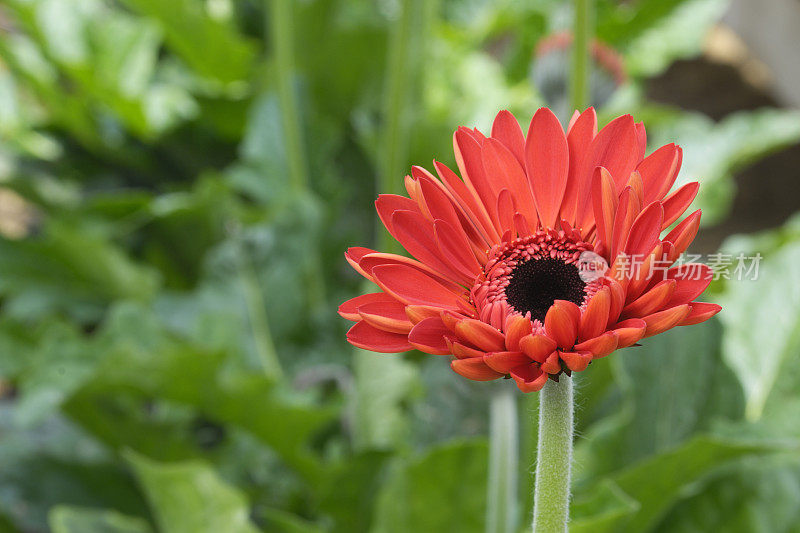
(535, 284)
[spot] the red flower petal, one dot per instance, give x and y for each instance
(474, 369)
(676, 203)
(362, 335)
(411, 286)
(692, 279)
(575, 115)
(430, 336)
(641, 135)
(552, 365)
(507, 173)
(370, 261)
(521, 224)
(579, 139)
(537, 347)
(630, 331)
(387, 204)
(616, 148)
(647, 272)
(576, 361)
(529, 378)
(700, 312)
(353, 255)
(561, 323)
(386, 316)
(666, 319)
(415, 233)
(659, 170)
(450, 319)
(503, 362)
(349, 309)
(600, 346)
(418, 313)
(604, 203)
(463, 352)
(682, 235)
(547, 162)
(506, 129)
(651, 301)
(421, 174)
(468, 200)
(516, 328)
(454, 248)
(468, 158)
(481, 335)
(595, 316)
(627, 212)
(412, 187)
(438, 203)
(617, 301)
(635, 183)
(645, 231)
(505, 212)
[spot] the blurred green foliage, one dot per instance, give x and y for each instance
(170, 356)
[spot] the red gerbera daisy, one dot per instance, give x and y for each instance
(500, 279)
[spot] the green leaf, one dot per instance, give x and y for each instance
(757, 495)
(658, 482)
(604, 510)
(677, 30)
(282, 522)
(69, 269)
(264, 148)
(189, 497)
(112, 59)
(445, 490)
(55, 366)
(383, 384)
(350, 491)
(619, 23)
(64, 519)
(188, 28)
(146, 362)
(762, 330)
(714, 151)
(673, 386)
(45, 467)
(30, 66)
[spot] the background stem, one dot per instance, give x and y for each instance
(554, 463)
(280, 25)
(281, 28)
(582, 35)
(257, 316)
(501, 513)
(379, 408)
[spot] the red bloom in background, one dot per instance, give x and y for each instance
(500, 279)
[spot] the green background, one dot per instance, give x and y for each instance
(179, 180)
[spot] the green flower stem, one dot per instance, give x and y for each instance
(501, 513)
(582, 35)
(556, 409)
(554, 457)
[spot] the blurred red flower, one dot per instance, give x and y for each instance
(544, 255)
